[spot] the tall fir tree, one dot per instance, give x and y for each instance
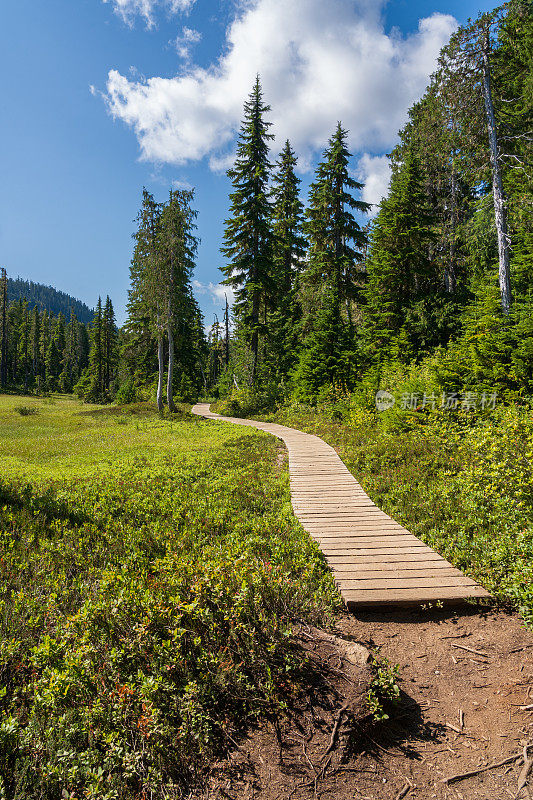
(43, 347)
(3, 327)
(24, 350)
(400, 270)
(248, 238)
(289, 249)
(144, 309)
(94, 379)
(337, 241)
(177, 245)
(35, 338)
(71, 370)
(465, 78)
(161, 304)
(330, 282)
(109, 346)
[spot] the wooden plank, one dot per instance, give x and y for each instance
(390, 597)
(378, 569)
(405, 561)
(444, 574)
(377, 550)
(372, 584)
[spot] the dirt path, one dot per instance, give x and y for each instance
(459, 710)
(444, 683)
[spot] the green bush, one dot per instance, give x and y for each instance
(26, 411)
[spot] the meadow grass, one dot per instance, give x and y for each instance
(151, 572)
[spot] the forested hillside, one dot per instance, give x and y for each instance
(47, 298)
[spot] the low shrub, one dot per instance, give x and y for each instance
(25, 411)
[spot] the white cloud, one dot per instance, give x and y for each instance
(217, 291)
(184, 43)
(374, 172)
(129, 9)
(180, 183)
(319, 62)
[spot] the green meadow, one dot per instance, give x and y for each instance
(151, 569)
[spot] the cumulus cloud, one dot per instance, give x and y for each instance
(217, 291)
(374, 172)
(129, 9)
(319, 62)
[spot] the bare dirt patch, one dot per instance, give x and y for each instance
(466, 689)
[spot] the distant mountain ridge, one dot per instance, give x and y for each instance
(46, 297)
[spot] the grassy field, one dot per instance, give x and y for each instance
(151, 569)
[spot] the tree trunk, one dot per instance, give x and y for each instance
(497, 186)
(3, 335)
(226, 322)
(450, 281)
(161, 364)
(170, 374)
(254, 344)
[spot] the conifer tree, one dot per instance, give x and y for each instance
(3, 327)
(400, 271)
(43, 347)
(177, 247)
(466, 80)
(53, 363)
(248, 240)
(336, 248)
(160, 298)
(289, 249)
(24, 345)
(72, 353)
(109, 346)
(84, 347)
(328, 358)
(336, 239)
(145, 281)
(14, 320)
(96, 355)
(35, 336)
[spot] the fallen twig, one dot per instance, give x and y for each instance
(470, 649)
(462, 775)
(334, 732)
(452, 727)
(524, 772)
(404, 791)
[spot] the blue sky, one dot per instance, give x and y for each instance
(99, 99)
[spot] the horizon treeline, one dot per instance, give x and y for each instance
(47, 298)
(42, 352)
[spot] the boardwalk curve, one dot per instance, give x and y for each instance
(375, 561)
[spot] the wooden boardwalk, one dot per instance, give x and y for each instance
(375, 561)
